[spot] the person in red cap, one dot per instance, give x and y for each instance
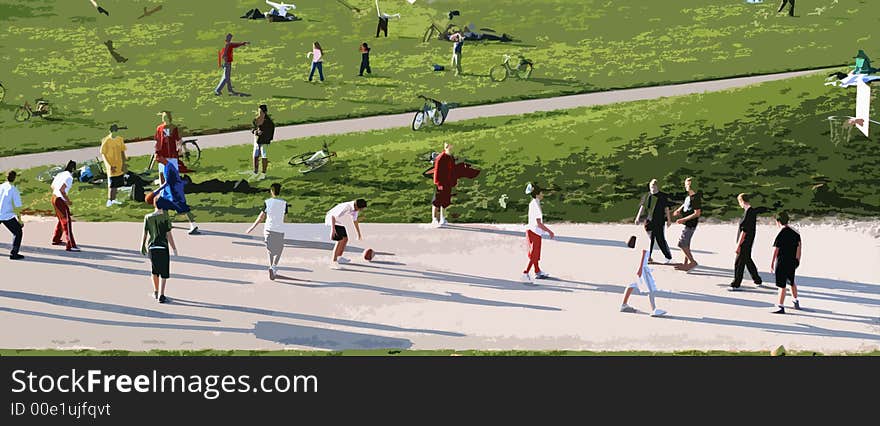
(444, 180)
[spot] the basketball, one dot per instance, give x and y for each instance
(368, 254)
(149, 198)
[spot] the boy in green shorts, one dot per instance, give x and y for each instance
(157, 232)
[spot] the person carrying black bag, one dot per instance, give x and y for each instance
(264, 131)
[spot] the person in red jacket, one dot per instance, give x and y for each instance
(444, 180)
(167, 144)
(224, 60)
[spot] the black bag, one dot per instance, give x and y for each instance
(254, 14)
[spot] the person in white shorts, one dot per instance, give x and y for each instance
(644, 278)
(273, 231)
(337, 230)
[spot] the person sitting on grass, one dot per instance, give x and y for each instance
(273, 213)
(157, 232)
(337, 230)
(786, 259)
(644, 276)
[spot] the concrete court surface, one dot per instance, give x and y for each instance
(454, 288)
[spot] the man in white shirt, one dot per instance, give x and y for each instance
(337, 230)
(61, 186)
(534, 233)
(273, 231)
(9, 200)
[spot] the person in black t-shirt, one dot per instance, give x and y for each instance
(745, 239)
(786, 259)
(690, 211)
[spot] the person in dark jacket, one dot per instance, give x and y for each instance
(264, 131)
(659, 218)
(745, 239)
(365, 60)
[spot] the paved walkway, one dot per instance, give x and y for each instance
(452, 288)
(405, 119)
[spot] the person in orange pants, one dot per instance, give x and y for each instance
(61, 202)
(536, 230)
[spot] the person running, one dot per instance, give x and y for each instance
(365, 60)
(264, 131)
(790, 7)
(115, 162)
(745, 240)
(457, 42)
(317, 55)
(157, 232)
(646, 277)
(167, 144)
(337, 230)
(534, 233)
(690, 211)
(658, 220)
(171, 195)
(274, 211)
(786, 259)
(444, 177)
(224, 61)
(61, 186)
(10, 199)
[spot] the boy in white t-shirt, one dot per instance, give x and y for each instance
(534, 233)
(273, 213)
(337, 229)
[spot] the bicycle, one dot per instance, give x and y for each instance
(26, 111)
(311, 161)
(433, 109)
(96, 173)
(522, 71)
(189, 153)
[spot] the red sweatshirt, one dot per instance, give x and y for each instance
(225, 54)
(166, 146)
(444, 165)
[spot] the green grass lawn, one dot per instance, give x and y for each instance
(770, 140)
(55, 49)
(211, 352)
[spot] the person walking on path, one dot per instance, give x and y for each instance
(61, 186)
(264, 131)
(172, 197)
(115, 162)
(167, 144)
(224, 61)
(659, 218)
(155, 240)
(457, 42)
(274, 211)
(786, 259)
(690, 211)
(365, 60)
(337, 230)
(745, 240)
(10, 199)
(643, 276)
(444, 177)
(790, 7)
(317, 55)
(535, 232)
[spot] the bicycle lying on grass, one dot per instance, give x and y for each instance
(522, 71)
(432, 110)
(26, 111)
(91, 171)
(311, 161)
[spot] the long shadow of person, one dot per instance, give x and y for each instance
(114, 53)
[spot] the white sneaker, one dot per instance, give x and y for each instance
(109, 203)
(343, 260)
(335, 265)
(443, 221)
(526, 278)
(667, 261)
(542, 275)
(435, 222)
(627, 308)
(117, 202)
(658, 312)
(262, 176)
(194, 231)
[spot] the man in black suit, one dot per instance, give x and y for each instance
(745, 240)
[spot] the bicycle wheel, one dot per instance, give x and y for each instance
(437, 117)
(22, 114)
(296, 160)
(418, 120)
(524, 71)
(49, 174)
(315, 165)
(46, 113)
(498, 73)
(191, 153)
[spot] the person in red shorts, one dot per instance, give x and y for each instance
(535, 232)
(444, 180)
